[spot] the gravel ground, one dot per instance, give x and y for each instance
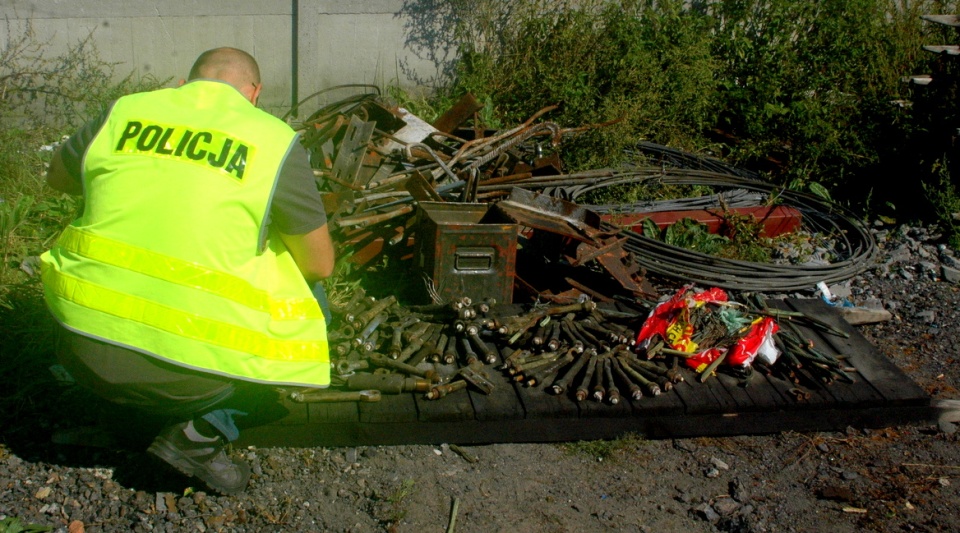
(891, 479)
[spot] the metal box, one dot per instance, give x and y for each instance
(462, 250)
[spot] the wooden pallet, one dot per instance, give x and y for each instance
(881, 395)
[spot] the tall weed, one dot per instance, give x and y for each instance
(43, 98)
(808, 85)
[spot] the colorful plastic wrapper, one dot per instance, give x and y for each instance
(671, 320)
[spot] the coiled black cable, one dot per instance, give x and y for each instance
(854, 247)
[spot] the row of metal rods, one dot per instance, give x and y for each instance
(587, 353)
(541, 343)
(576, 348)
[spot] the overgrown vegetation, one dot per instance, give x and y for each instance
(738, 237)
(802, 91)
(395, 504)
(650, 67)
(42, 98)
(945, 199)
(12, 524)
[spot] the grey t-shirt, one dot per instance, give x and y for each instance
(296, 207)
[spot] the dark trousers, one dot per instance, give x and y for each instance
(166, 391)
(145, 383)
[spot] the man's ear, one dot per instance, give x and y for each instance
(257, 87)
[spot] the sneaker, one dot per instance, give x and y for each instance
(204, 459)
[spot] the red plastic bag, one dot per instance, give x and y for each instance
(671, 319)
(757, 342)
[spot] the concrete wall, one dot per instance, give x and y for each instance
(303, 46)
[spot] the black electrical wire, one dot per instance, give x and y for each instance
(672, 157)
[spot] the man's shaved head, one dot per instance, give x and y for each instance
(231, 65)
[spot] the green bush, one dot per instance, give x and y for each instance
(802, 91)
(649, 67)
(945, 199)
(807, 86)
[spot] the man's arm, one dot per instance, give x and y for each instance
(298, 216)
(313, 252)
(64, 173)
(59, 178)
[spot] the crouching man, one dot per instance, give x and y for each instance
(184, 288)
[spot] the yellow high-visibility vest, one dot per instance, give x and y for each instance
(172, 256)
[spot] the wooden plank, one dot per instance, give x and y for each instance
(707, 397)
(393, 433)
(537, 403)
(668, 402)
(818, 395)
(882, 395)
(333, 412)
(453, 407)
(390, 408)
(567, 429)
(778, 389)
(755, 398)
(873, 366)
(592, 408)
(501, 404)
(696, 399)
(725, 400)
(742, 399)
(297, 413)
(303, 435)
(848, 393)
(760, 423)
(665, 404)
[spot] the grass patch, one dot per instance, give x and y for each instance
(12, 524)
(395, 502)
(740, 237)
(28, 333)
(43, 98)
(603, 450)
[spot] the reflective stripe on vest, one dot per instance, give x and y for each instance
(184, 273)
(174, 321)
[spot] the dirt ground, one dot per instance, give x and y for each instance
(883, 479)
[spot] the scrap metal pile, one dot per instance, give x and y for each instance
(381, 167)
(376, 163)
